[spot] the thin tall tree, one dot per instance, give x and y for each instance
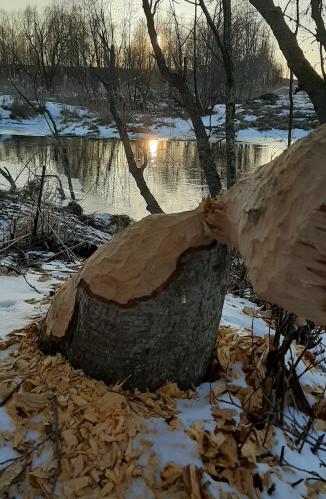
(225, 47)
(178, 81)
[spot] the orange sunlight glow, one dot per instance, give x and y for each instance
(152, 147)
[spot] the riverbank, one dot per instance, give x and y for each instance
(263, 120)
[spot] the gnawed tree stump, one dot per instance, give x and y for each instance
(169, 336)
(146, 305)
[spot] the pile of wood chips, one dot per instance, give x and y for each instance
(74, 435)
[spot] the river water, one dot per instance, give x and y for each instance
(101, 177)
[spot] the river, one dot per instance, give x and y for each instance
(101, 177)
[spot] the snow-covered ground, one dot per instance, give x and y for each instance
(171, 455)
(23, 298)
(80, 122)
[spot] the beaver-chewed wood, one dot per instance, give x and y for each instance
(168, 336)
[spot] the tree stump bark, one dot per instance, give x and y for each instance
(145, 308)
(167, 337)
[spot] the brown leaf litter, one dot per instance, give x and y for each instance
(86, 429)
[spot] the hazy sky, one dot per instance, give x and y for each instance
(20, 4)
(124, 6)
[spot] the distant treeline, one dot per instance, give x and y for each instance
(62, 43)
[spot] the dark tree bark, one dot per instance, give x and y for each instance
(7, 175)
(225, 47)
(199, 104)
(309, 80)
(190, 104)
(316, 14)
(137, 172)
(230, 95)
(290, 125)
(291, 80)
(146, 306)
(39, 201)
(168, 337)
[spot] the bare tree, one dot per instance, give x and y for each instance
(225, 47)
(179, 82)
(45, 40)
(308, 78)
(62, 58)
(40, 107)
(291, 80)
(103, 43)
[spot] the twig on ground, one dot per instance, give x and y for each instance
(31, 285)
(12, 243)
(56, 440)
(10, 394)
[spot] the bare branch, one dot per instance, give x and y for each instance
(316, 14)
(177, 80)
(309, 79)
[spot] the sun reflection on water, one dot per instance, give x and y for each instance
(152, 147)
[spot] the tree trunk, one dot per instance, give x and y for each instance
(205, 154)
(194, 64)
(170, 336)
(316, 14)
(290, 126)
(151, 204)
(7, 175)
(178, 81)
(39, 201)
(225, 47)
(291, 79)
(309, 80)
(230, 95)
(230, 136)
(111, 84)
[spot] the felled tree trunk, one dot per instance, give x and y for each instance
(146, 305)
(276, 219)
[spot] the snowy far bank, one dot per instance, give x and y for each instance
(256, 122)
